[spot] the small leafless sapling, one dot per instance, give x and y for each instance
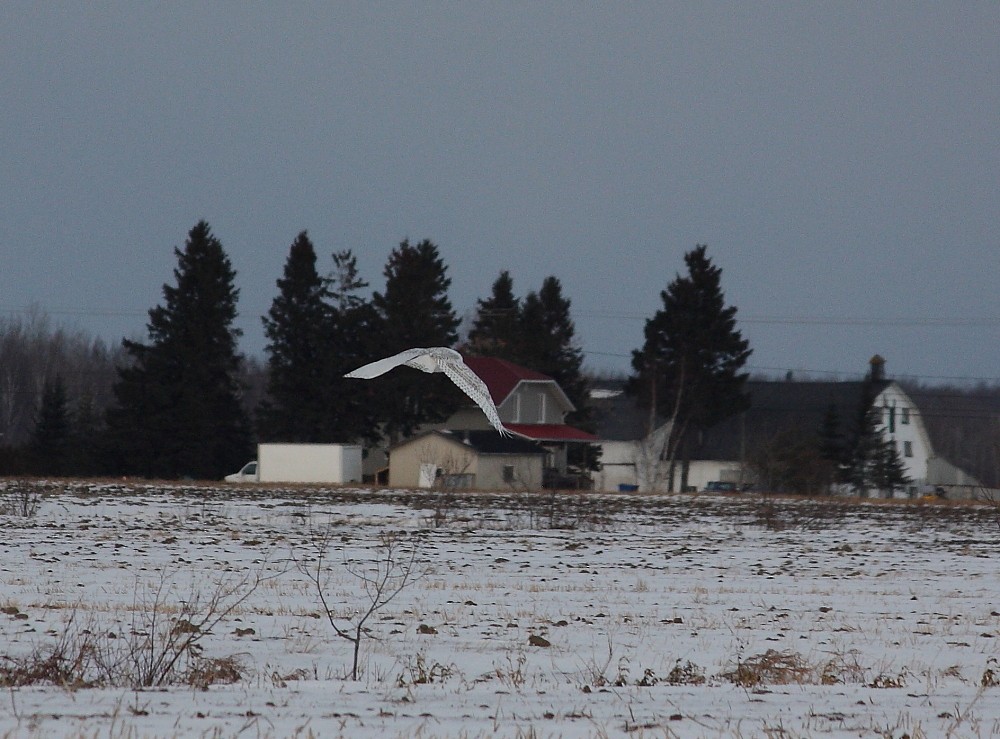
(394, 567)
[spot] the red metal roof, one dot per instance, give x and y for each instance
(501, 376)
(549, 432)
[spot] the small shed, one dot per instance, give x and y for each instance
(474, 459)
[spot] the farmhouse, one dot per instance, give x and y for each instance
(790, 408)
(532, 407)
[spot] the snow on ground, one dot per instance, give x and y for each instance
(533, 616)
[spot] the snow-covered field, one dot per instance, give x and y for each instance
(540, 616)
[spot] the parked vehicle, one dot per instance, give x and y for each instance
(331, 463)
(717, 486)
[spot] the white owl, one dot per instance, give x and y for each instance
(439, 359)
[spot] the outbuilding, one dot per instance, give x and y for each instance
(467, 459)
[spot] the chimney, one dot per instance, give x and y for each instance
(877, 372)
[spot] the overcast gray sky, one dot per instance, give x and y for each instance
(841, 160)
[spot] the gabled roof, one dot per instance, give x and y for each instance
(482, 442)
(775, 406)
(503, 377)
(784, 406)
(549, 432)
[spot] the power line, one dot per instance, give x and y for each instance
(899, 322)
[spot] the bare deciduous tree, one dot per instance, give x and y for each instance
(393, 568)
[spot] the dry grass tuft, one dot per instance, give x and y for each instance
(770, 668)
(220, 670)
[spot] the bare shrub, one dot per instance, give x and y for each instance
(20, 499)
(395, 566)
(842, 668)
(163, 646)
(71, 662)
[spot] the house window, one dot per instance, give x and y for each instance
(904, 416)
(508, 473)
(892, 419)
(907, 448)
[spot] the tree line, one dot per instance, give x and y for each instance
(185, 403)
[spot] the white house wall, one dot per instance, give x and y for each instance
(901, 421)
(617, 465)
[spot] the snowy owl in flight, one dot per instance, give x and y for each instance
(439, 359)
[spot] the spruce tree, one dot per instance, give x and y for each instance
(51, 444)
(414, 311)
(548, 344)
(298, 329)
(689, 368)
(353, 341)
(867, 449)
(496, 328)
(891, 475)
(86, 456)
(178, 409)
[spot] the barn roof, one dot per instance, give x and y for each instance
(775, 407)
(783, 406)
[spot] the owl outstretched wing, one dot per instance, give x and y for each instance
(472, 385)
(439, 359)
(381, 366)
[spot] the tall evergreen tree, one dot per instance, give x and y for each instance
(87, 453)
(414, 310)
(890, 474)
(353, 342)
(298, 328)
(51, 444)
(866, 450)
(690, 365)
(178, 409)
(496, 328)
(548, 344)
